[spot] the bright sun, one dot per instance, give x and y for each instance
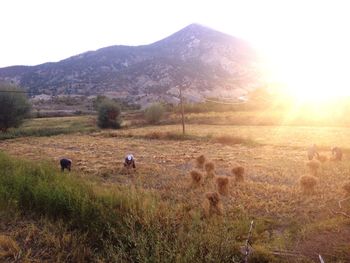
(313, 78)
(308, 51)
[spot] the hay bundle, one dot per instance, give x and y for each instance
(222, 183)
(238, 172)
(212, 205)
(322, 158)
(196, 177)
(308, 184)
(200, 160)
(313, 165)
(346, 188)
(8, 248)
(209, 168)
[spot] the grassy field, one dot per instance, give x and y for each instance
(51, 126)
(288, 224)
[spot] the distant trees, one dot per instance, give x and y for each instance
(108, 114)
(154, 113)
(14, 106)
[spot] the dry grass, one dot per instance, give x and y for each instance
(346, 188)
(222, 185)
(196, 178)
(272, 191)
(313, 166)
(200, 160)
(232, 140)
(8, 248)
(41, 241)
(238, 172)
(209, 167)
(322, 158)
(212, 205)
(265, 135)
(209, 170)
(308, 184)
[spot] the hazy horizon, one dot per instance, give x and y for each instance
(41, 31)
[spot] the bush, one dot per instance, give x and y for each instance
(14, 107)
(154, 113)
(109, 115)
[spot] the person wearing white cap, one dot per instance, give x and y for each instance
(129, 161)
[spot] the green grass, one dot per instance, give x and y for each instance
(125, 224)
(51, 126)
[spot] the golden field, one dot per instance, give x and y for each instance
(274, 159)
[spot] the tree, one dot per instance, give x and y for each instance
(154, 113)
(96, 102)
(14, 106)
(109, 114)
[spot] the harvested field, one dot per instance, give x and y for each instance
(286, 218)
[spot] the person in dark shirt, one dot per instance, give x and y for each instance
(65, 164)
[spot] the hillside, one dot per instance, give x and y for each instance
(210, 63)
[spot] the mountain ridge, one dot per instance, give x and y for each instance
(210, 62)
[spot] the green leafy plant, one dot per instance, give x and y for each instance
(109, 115)
(14, 107)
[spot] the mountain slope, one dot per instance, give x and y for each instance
(209, 62)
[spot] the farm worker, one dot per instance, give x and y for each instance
(312, 152)
(65, 164)
(129, 161)
(337, 154)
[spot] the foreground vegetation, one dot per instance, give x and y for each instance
(51, 126)
(121, 224)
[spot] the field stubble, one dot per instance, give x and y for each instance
(270, 194)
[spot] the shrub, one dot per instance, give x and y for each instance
(109, 115)
(14, 107)
(96, 102)
(154, 113)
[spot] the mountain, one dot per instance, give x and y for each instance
(207, 63)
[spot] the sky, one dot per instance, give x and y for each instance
(285, 32)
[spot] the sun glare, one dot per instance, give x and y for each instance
(312, 75)
(310, 54)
